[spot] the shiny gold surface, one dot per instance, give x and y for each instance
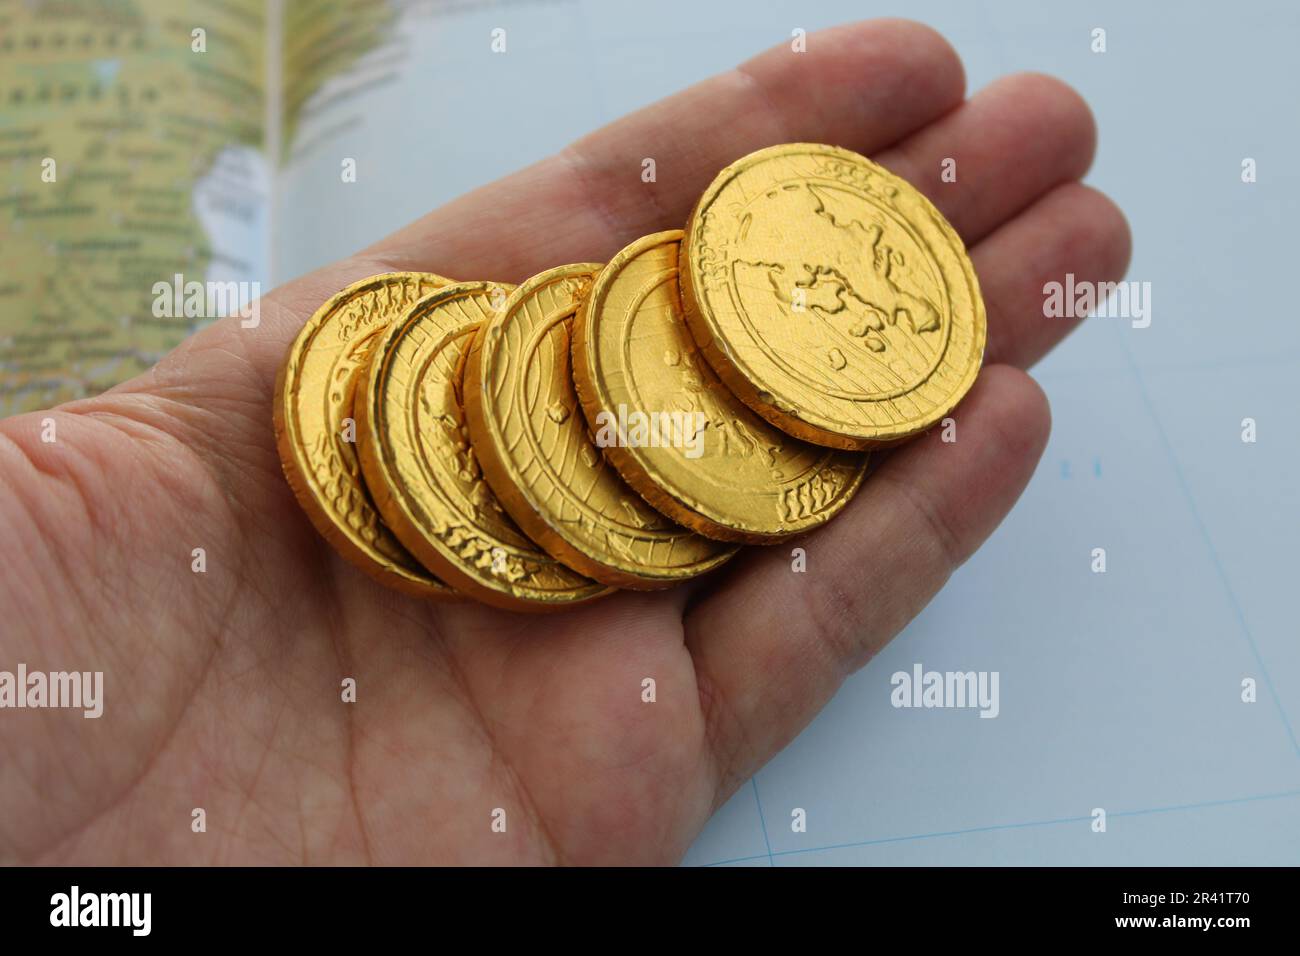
(314, 398)
(416, 456)
(831, 296)
(746, 480)
(539, 458)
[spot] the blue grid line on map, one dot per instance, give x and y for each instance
(1205, 535)
(990, 828)
(762, 822)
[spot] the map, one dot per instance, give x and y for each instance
(138, 142)
(116, 150)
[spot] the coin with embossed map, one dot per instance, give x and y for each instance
(313, 429)
(544, 465)
(639, 373)
(417, 459)
(831, 296)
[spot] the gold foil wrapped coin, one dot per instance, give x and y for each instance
(315, 434)
(425, 478)
(831, 296)
(639, 375)
(536, 452)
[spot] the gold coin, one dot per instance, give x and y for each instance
(416, 456)
(634, 360)
(831, 296)
(539, 458)
(313, 429)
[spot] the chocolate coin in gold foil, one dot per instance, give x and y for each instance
(540, 459)
(831, 296)
(423, 472)
(315, 432)
(634, 361)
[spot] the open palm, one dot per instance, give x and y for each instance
(222, 689)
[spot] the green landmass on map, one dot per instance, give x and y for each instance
(132, 117)
(322, 40)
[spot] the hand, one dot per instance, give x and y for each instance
(222, 689)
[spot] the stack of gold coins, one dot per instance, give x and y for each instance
(631, 424)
